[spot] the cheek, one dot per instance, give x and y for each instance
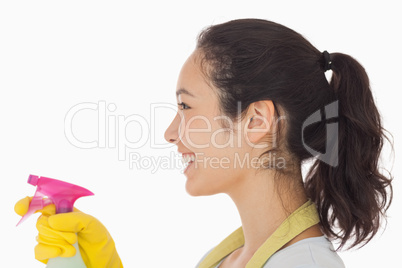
(197, 133)
(216, 168)
(223, 139)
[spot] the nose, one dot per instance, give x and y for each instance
(172, 133)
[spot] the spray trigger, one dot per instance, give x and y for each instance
(60, 193)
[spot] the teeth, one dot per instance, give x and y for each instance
(187, 158)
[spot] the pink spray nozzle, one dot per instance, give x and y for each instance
(60, 193)
(33, 180)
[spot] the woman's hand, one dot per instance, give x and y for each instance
(58, 233)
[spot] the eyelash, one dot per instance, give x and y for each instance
(182, 104)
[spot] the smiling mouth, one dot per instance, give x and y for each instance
(188, 158)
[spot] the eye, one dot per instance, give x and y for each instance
(183, 106)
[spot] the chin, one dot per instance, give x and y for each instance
(195, 189)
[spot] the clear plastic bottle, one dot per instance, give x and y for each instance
(70, 262)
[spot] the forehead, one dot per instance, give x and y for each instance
(192, 78)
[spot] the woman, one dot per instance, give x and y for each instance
(251, 98)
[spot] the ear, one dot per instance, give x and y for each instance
(262, 114)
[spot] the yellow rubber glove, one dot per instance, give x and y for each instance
(58, 233)
(21, 207)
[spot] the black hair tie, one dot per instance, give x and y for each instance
(327, 61)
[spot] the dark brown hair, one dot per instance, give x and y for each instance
(255, 59)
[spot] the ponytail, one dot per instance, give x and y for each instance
(352, 197)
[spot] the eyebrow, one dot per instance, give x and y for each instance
(184, 91)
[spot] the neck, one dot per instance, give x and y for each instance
(263, 207)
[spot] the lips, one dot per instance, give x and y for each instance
(188, 158)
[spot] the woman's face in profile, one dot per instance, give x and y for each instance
(196, 129)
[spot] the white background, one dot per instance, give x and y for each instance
(57, 54)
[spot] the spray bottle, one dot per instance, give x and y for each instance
(62, 195)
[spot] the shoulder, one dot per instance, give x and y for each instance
(314, 252)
